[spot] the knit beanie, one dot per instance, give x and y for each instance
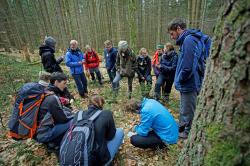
(160, 46)
(50, 41)
(122, 45)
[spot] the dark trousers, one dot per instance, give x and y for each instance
(161, 81)
(111, 75)
(96, 71)
(150, 141)
(81, 83)
(188, 105)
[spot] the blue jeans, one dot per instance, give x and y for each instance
(115, 143)
(81, 83)
(56, 134)
(188, 105)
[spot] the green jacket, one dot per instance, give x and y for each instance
(126, 63)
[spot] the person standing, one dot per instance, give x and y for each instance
(167, 68)
(126, 66)
(74, 60)
(110, 54)
(187, 80)
(46, 51)
(144, 72)
(156, 59)
(92, 64)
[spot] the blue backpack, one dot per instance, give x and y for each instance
(78, 147)
(205, 41)
(23, 121)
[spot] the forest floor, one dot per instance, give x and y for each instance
(14, 73)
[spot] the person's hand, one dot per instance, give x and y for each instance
(143, 78)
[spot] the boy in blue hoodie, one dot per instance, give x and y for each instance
(187, 80)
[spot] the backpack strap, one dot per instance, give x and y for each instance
(79, 115)
(93, 117)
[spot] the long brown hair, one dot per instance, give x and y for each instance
(97, 101)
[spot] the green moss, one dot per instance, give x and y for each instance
(213, 131)
(222, 153)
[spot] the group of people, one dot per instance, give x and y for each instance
(157, 127)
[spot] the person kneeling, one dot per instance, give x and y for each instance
(157, 126)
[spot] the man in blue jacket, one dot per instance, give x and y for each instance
(157, 126)
(110, 58)
(74, 60)
(187, 78)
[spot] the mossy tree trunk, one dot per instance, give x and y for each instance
(221, 126)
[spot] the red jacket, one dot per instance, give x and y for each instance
(91, 60)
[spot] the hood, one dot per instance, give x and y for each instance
(195, 32)
(44, 48)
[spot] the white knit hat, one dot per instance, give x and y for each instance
(122, 45)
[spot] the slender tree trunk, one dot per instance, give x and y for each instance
(203, 14)
(220, 130)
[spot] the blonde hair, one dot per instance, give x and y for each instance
(143, 50)
(73, 42)
(108, 43)
(87, 47)
(97, 101)
(171, 46)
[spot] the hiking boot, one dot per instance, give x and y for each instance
(183, 135)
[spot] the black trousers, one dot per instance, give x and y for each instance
(151, 141)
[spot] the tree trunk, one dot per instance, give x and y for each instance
(221, 126)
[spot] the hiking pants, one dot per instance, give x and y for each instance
(188, 104)
(150, 141)
(81, 83)
(93, 71)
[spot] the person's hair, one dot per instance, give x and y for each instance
(73, 42)
(132, 105)
(108, 43)
(142, 50)
(87, 46)
(58, 76)
(175, 23)
(97, 101)
(171, 46)
(44, 76)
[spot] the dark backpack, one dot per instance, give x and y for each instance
(23, 121)
(78, 146)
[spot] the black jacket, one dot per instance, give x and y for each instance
(144, 66)
(168, 64)
(52, 104)
(104, 131)
(50, 64)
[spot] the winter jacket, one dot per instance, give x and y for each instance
(126, 63)
(187, 77)
(50, 64)
(144, 66)
(104, 131)
(91, 60)
(156, 117)
(168, 64)
(72, 59)
(156, 61)
(110, 58)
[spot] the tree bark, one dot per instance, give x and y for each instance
(221, 126)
